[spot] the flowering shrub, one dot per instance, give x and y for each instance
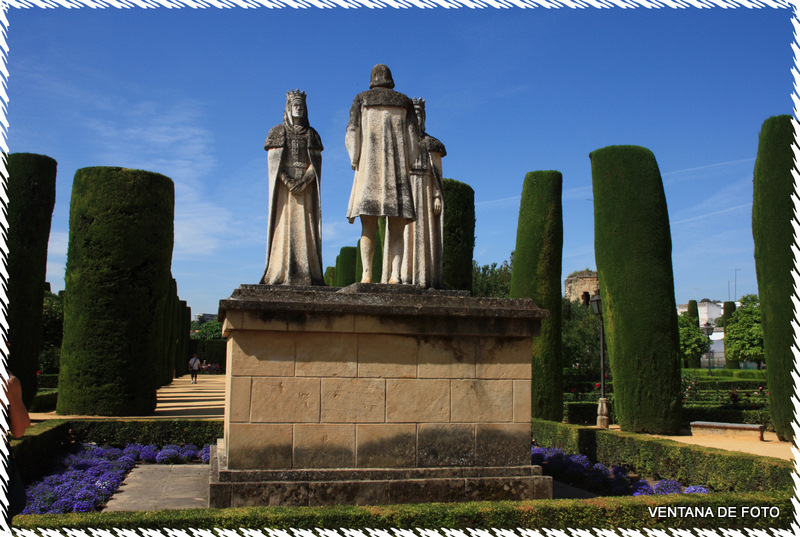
(84, 479)
(578, 471)
(667, 486)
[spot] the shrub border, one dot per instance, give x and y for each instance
(660, 458)
(609, 513)
(602, 512)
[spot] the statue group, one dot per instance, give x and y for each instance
(398, 175)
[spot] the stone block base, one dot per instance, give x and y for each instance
(358, 486)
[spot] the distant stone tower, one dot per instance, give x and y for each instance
(581, 285)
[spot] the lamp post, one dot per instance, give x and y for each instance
(708, 330)
(602, 404)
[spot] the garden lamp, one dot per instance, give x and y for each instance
(602, 404)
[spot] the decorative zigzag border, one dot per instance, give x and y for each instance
(372, 4)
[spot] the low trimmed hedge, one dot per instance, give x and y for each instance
(726, 373)
(161, 432)
(33, 452)
(45, 400)
(659, 458)
(609, 513)
(722, 383)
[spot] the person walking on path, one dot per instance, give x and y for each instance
(194, 367)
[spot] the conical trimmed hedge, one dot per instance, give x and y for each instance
(536, 274)
(31, 197)
(117, 278)
(346, 266)
(633, 251)
(458, 234)
(727, 310)
(692, 311)
(773, 213)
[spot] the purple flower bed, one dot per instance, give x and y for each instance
(578, 471)
(83, 479)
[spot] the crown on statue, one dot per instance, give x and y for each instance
(418, 103)
(296, 94)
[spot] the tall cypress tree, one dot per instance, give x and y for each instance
(118, 274)
(633, 250)
(31, 197)
(536, 274)
(773, 213)
(458, 230)
(727, 310)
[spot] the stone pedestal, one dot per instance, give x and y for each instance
(375, 394)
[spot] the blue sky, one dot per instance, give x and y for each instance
(192, 94)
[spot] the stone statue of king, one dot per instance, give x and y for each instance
(382, 141)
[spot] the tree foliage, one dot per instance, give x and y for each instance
(580, 334)
(492, 280)
(52, 332)
(694, 343)
(744, 336)
(209, 330)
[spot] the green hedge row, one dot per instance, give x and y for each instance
(608, 513)
(160, 432)
(722, 383)
(658, 458)
(585, 413)
(728, 373)
(33, 452)
(45, 400)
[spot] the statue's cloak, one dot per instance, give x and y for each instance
(382, 141)
(275, 146)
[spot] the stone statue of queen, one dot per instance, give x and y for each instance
(294, 236)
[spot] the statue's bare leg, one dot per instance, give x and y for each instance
(369, 227)
(395, 232)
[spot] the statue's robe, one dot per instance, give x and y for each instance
(382, 142)
(294, 236)
(423, 243)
